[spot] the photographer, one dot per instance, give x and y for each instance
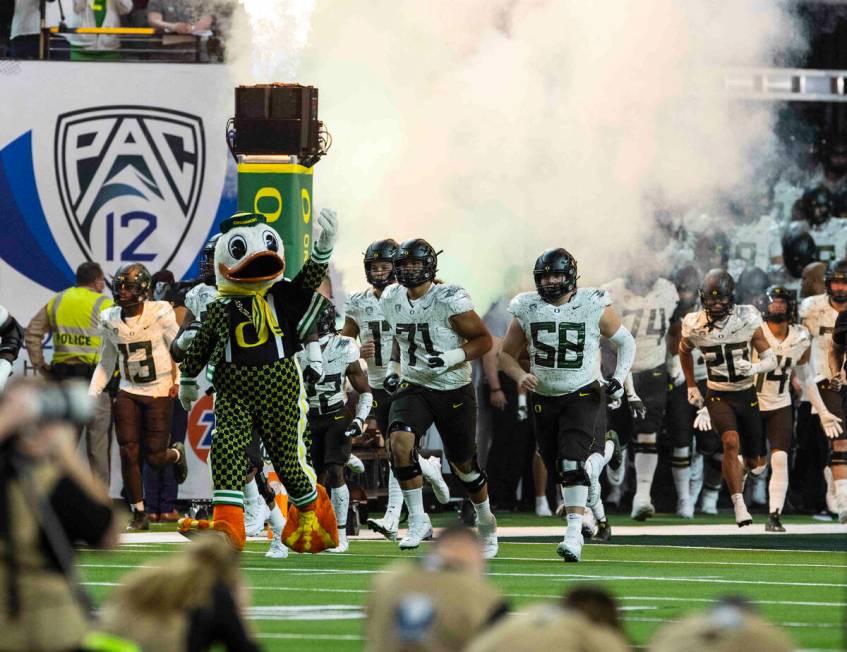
(48, 500)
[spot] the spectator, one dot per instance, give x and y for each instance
(72, 318)
(26, 32)
(41, 605)
(96, 13)
(177, 17)
(192, 602)
(438, 602)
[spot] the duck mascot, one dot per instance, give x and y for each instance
(248, 338)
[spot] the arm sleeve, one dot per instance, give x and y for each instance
(200, 350)
(625, 345)
(37, 328)
(105, 367)
(11, 336)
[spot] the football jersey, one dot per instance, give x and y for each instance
(365, 309)
(830, 238)
(143, 346)
(198, 297)
(328, 394)
(647, 318)
(422, 327)
(773, 387)
(753, 245)
(818, 316)
(723, 345)
(563, 341)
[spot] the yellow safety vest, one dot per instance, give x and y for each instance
(74, 317)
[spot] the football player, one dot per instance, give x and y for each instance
(755, 240)
(819, 314)
(828, 232)
(437, 333)
(136, 334)
(560, 326)
(330, 421)
(790, 343)
(725, 333)
(364, 319)
(646, 303)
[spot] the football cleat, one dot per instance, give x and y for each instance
(642, 509)
(709, 500)
(355, 465)
(278, 549)
(181, 465)
(589, 524)
(431, 469)
(256, 512)
(774, 524)
(139, 522)
(386, 526)
(742, 516)
(570, 549)
(420, 529)
(488, 535)
(343, 544)
(684, 508)
(604, 531)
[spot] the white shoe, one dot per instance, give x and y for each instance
(343, 544)
(589, 524)
(278, 549)
(431, 469)
(542, 508)
(742, 516)
(685, 508)
(488, 535)
(642, 508)
(831, 500)
(419, 530)
(570, 549)
(616, 476)
(842, 516)
(355, 465)
(709, 501)
(255, 515)
(386, 526)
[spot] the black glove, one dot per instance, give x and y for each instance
(614, 389)
(354, 429)
(637, 408)
(391, 383)
(311, 376)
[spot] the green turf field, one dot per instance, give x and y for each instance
(799, 581)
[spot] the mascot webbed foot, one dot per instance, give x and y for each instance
(311, 528)
(228, 519)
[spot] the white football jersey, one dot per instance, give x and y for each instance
(773, 387)
(754, 245)
(723, 344)
(328, 394)
(831, 239)
(365, 309)
(143, 347)
(647, 317)
(422, 327)
(818, 316)
(563, 341)
(198, 297)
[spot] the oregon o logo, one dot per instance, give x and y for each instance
(271, 207)
(201, 424)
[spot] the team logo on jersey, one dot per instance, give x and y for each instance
(201, 423)
(125, 171)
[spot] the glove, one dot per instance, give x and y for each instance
(311, 376)
(328, 221)
(447, 359)
(831, 424)
(523, 413)
(614, 403)
(614, 388)
(703, 421)
(636, 407)
(5, 372)
(695, 398)
(836, 382)
(391, 383)
(744, 367)
(354, 429)
(188, 393)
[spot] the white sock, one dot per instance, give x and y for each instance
(778, 485)
(574, 525)
(575, 496)
(645, 467)
(608, 451)
(681, 474)
(738, 500)
(395, 497)
(594, 465)
(276, 519)
(251, 491)
(541, 502)
(414, 502)
(340, 502)
(521, 400)
(483, 510)
(841, 494)
(599, 511)
(138, 507)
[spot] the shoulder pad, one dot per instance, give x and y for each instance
(520, 302)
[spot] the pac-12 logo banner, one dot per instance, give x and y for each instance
(123, 173)
(201, 426)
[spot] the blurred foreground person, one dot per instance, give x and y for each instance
(438, 602)
(48, 500)
(190, 603)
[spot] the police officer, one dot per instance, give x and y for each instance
(72, 318)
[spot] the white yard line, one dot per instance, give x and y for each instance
(311, 637)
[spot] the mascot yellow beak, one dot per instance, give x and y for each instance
(254, 268)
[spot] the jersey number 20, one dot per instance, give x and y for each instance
(724, 353)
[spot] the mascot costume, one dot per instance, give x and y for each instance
(248, 338)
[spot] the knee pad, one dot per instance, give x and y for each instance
(838, 458)
(645, 444)
(571, 473)
(410, 471)
(399, 426)
(681, 458)
(474, 480)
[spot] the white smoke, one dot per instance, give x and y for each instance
(499, 128)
